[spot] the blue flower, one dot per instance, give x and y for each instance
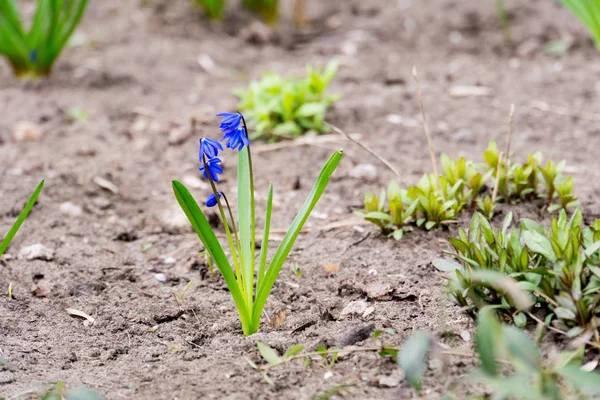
(230, 121)
(213, 167)
(209, 148)
(237, 139)
(211, 201)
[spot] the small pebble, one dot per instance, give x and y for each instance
(466, 336)
(37, 252)
(27, 131)
(160, 277)
(70, 209)
(364, 171)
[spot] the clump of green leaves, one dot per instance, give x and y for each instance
(34, 52)
(558, 267)
(588, 11)
(436, 201)
(281, 107)
(60, 391)
(15, 228)
(212, 8)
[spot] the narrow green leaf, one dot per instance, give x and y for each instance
(286, 244)
(264, 248)
(212, 245)
(486, 340)
(268, 353)
(446, 265)
(564, 313)
(522, 349)
(412, 357)
(82, 393)
(13, 230)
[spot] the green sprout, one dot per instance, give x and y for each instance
(280, 107)
(250, 282)
(13, 230)
(588, 11)
(212, 8)
(266, 9)
(34, 52)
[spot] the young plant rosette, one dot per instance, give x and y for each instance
(249, 287)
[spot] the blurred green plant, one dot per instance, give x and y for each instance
(436, 202)
(588, 11)
(282, 107)
(504, 20)
(510, 362)
(558, 267)
(59, 391)
(34, 52)
(14, 229)
(212, 8)
(268, 10)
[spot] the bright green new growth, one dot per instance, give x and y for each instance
(13, 230)
(267, 9)
(559, 267)
(212, 8)
(34, 52)
(465, 184)
(249, 296)
(588, 11)
(281, 107)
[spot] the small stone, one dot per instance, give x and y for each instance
(464, 135)
(356, 335)
(102, 203)
(37, 252)
(376, 290)
(160, 277)
(466, 336)
(169, 260)
(388, 381)
(367, 172)
(370, 310)
(27, 131)
(70, 209)
(328, 375)
(354, 307)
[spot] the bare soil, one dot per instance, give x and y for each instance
(139, 79)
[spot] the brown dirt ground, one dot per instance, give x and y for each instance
(143, 60)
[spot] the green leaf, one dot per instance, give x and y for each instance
(246, 218)
(211, 243)
(520, 320)
(13, 230)
(540, 244)
(564, 313)
(288, 240)
(264, 248)
(569, 357)
(268, 354)
(446, 265)
(486, 340)
(293, 350)
(586, 382)
(412, 357)
(592, 248)
(522, 349)
(503, 284)
(311, 109)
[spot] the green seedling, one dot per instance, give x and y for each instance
(34, 52)
(295, 269)
(557, 267)
(59, 391)
(266, 9)
(212, 8)
(504, 20)
(280, 107)
(588, 11)
(13, 230)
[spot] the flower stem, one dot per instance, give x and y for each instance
(235, 231)
(227, 231)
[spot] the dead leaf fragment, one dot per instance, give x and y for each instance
(76, 313)
(330, 269)
(278, 318)
(470, 91)
(27, 131)
(106, 184)
(40, 290)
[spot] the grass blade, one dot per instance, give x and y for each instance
(286, 244)
(13, 230)
(212, 245)
(264, 248)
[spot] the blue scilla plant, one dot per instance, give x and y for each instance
(249, 286)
